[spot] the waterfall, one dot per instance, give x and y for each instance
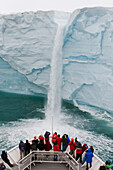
(54, 94)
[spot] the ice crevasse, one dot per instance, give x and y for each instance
(26, 45)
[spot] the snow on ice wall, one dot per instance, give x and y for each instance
(26, 45)
(88, 58)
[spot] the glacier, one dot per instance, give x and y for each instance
(26, 47)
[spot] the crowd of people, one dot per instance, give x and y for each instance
(58, 144)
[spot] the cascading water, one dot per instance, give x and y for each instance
(54, 95)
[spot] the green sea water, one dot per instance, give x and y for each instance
(23, 116)
(15, 106)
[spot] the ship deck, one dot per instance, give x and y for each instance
(55, 166)
(45, 161)
(50, 166)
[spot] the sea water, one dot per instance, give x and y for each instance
(23, 117)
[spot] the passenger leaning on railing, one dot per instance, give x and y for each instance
(92, 149)
(72, 147)
(65, 141)
(35, 142)
(41, 145)
(33, 146)
(27, 147)
(41, 137)
(88, 156)
(76, 141)
(47, 145)
(46, 135)
(59, 139)
(54, 137)
(56, 148)
(84, 147)
(79, 152)
(22, 149)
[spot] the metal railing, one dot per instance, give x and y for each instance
(48, 157)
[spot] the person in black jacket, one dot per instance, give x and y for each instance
(5, 158)
(27, 148)
(41, 145)
(34, 147)
(34, 144)
(46, 135)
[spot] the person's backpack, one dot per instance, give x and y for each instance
(22, 146)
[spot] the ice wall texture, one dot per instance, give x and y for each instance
(26, 45)
(88, 58)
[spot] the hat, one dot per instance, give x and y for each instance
(34, 137)
(21, 140)
(84, 145)
(72, 139)
(108, 162)
(89, 150)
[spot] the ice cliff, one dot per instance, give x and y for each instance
(26, 46)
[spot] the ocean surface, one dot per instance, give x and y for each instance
(23, 117)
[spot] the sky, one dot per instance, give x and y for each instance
(15, 6)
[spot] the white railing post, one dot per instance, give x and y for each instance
(19, 166)
(30, 160)
(69, 164)
(78, 167)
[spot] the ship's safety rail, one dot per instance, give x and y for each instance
(14, 157)
(48, 157)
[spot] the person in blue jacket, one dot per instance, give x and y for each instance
(88, 156)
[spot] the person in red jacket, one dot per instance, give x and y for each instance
(79, 152)
(56, 148)
(84, 147)
(41, 137)
(59, 141)
(54, 137)
(72, 147)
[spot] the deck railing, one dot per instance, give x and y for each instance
(48, 157)
(14, 157)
